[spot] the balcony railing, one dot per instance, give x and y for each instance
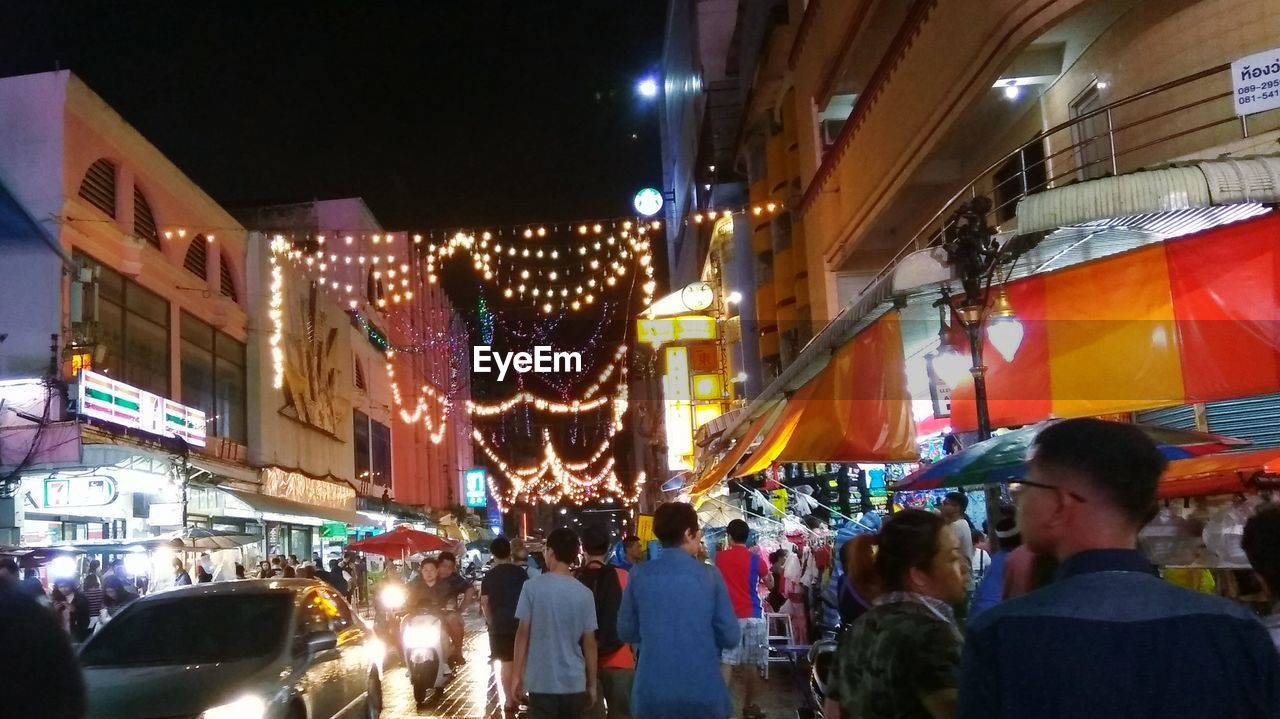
(1176, 119)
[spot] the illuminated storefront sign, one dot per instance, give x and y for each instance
(474, 489)
(685, 328)
(102, 398)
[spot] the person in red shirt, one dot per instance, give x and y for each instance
(744, 572)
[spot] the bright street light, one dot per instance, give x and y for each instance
(648, 88)
(734, 297)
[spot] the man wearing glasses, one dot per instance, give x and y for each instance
(1109, 638)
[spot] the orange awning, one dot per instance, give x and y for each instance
(778, 436)
(712, 477)
(860, 410)
(1226, 473)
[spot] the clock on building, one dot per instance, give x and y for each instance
(697, 296)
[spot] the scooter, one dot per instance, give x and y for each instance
(425, 647)
(821, 656)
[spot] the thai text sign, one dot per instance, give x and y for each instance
(473, 488)
(105, 399)
(1255, 82)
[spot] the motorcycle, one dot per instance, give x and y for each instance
(821, 656)
(420, 636)
(425, 647)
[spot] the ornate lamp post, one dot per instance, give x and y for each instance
(977, 259)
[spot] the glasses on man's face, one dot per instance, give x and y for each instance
(1017, 489)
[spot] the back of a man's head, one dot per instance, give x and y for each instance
(738, 531)
(1118, 460)
(563, 543)
(596, 541)
(672, 521)
(1261, 544)
(500, 548)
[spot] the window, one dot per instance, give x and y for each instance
(226, 284)
(144, 222)
(197, 260)
(133, 328)
(1022, 175)
(213, 378)
(373, 450)
(358, 375)
(98, 187)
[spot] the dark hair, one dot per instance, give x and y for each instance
(500, 548)
(957, 498)
(289, 572)
(672, 520)
(116, 584)
(1012, 542)
(907, 540)
(1261, 544)
(94, 565)
(564, 544)
(433, 561)
(447, 557)
(738, 531)
(334, 564)
(7, 564)
(630, 540)
(595, 540)
(1117, 459)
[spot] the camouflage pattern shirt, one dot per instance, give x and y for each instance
(905, 648)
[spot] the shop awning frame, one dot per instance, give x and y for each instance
(286, 510)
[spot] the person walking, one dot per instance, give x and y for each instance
(180, 576)
(71, 603)
(632, 552)
(953, 509)
(678, 612)
(499, 594)
(617, 662)
(899, 660)
(114, 599)
(990, 590)
(555, 652)
(1261, 544)
(1109, 638)
(744, 571)
(204, 568)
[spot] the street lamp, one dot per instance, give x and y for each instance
(647, 88)
(977, 258)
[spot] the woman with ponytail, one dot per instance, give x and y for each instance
(900, 659)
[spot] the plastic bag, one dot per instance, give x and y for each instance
(1169, 539)
(1223, 531)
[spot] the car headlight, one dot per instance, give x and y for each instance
(418, 636)
(393, 596)
(246, 707)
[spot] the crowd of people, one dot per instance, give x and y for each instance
(346, 574)
(1052, 613)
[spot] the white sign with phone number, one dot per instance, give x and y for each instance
(1255, 82)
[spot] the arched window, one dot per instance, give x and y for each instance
(226, 283)
(197, 260)
(144, 222)
(98, 187)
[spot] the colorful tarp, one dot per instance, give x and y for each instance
(1003, 458)
(709, 479)
(1227, 473)
(1194, 319)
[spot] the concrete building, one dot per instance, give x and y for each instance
(871, 123)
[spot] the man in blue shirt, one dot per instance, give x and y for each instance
(676, 610)
(1109, 638)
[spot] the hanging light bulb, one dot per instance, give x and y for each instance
(507, 292)
(1004, 331)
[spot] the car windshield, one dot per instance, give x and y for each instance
(193, 630)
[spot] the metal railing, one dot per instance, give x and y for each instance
(1127, 134)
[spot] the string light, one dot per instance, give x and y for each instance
(275, 310)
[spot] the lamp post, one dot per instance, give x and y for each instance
(976, 257)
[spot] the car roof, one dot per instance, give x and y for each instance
(237, 587)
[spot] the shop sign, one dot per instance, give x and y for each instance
(79, 491)
(644, 528)
(333, 530)
(940, 394)
(102, 398)
(1255, 82)
(298, 487)
(474, 488)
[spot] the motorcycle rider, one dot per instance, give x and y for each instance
(455, 590)
(426, 589)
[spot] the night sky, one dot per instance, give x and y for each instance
(438, 114)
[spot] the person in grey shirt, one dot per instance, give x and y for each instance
(555, 657)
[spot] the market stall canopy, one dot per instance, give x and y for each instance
(269, 505)
(857, 409)
(713, 476)
(1227, 473)
(1189, 320)
(1003, 457)
(401, 542)
(204, 538)
(33, 557)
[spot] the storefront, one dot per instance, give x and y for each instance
(296, 514)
